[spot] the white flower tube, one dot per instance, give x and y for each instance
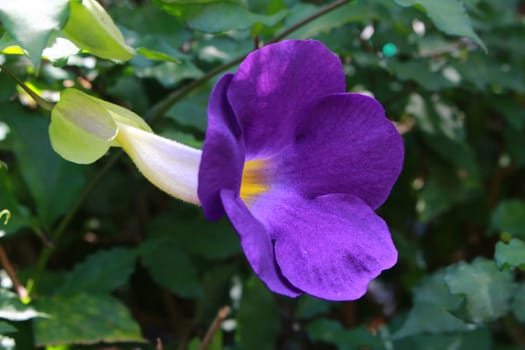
(169, 165)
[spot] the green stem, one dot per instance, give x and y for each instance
(48, 106)
(154, 113)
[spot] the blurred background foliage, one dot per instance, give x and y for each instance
(106, 257)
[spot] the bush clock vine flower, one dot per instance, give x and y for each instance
(297, 164)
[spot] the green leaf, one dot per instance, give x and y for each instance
(427, 318)
(196, 236)
(101, 272)
(449, 16)
(518, 304)
(479, 339)
(434, 290)
(53, 183)
(7, 88)
(487, 290)
(31, 22)
(170, 267)
(170, 73)
(221, 17)
(84, 319)
(431, 311)
(509, 217)
(12, 309)
(511, 254)
(329, 331)
(258, 317)
(309, 307)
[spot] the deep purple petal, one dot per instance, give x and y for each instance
(223, 152)
(256, 244)
(330, 247)
(345, 145)
(274, 84)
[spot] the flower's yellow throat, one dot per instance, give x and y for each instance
(254, 180)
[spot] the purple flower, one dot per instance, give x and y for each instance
(299, 166)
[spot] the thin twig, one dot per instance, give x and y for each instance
(48, 106)
(221, 316)
(9, 269)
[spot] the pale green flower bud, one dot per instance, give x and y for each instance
(83, 128)
(91, 28)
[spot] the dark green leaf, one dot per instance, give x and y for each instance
(258, 318)
(309, 307)
(509, 217)
(84, 319)
(101, 272)
(6, 328)
(487, 290)
(431, 311)
(196, 236)
(511, 254)
(475, 340)
(329, 331)
(54, 183)
(170, 267)
(427, 318)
